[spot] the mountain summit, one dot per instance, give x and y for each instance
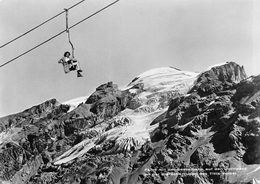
(166, 126)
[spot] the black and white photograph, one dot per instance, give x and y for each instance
(129, 92)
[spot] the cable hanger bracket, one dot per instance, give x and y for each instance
(67, 14)
(67, 30)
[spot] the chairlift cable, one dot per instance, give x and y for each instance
(59, 33)
(39, 25)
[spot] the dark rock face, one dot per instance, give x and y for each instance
(47, 130)
(219, 79)
(107, 100)
(25, 136)
(232, 117)
(200, 136)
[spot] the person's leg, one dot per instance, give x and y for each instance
(76, 65)
(79, 74)
(78, 69)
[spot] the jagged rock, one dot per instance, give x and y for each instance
(166, 126)
(48, 110)
(107, 100)
(28, 170)
(248, 91)
(218, 101)
(219, 79)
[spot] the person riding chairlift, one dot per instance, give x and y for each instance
(73, 63)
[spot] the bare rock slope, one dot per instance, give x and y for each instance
(167, 126)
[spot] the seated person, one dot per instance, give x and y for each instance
(73, 63)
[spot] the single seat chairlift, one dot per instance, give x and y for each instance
(70, 63)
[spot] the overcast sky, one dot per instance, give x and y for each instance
(120, 43)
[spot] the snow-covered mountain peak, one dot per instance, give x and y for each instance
(165, 118)
(149, 100)
(158, 71)
(164, 79)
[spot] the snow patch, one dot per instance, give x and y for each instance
(165, 79)
(77, 151)
(10, 136)
(158, 71)
(160, 85)
(75, 102)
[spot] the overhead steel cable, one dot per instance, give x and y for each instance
(40, 25)
(59, 34)
(93, 14)
(32, 48)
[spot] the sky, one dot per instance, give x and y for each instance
(118, 44)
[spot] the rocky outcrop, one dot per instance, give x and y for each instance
(247, 91)
(25, 136)
(216, 127)
(107, 101)
(49, 109)
(48, 130)
(167, 126)
(219, 79)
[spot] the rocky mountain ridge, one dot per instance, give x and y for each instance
(166, 126)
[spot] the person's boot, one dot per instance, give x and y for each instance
(79, 74)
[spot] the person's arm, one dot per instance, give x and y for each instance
(61, 60)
